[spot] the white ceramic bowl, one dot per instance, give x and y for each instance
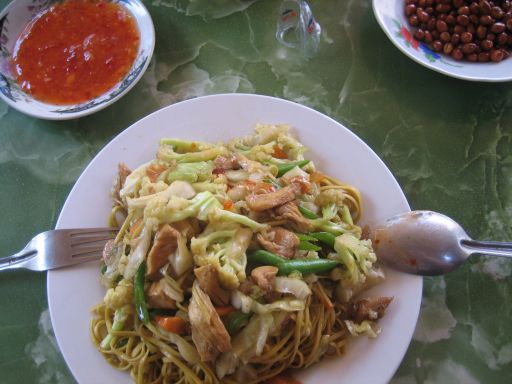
(13, 19)
(391, 17)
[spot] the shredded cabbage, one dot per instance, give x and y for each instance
(364, 328)
(224, 249)
(247, 304)
(247, 343)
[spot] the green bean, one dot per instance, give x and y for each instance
(283, 168)
(141, 307)
(307, 213)
(235, 321)
(265, 257)
(324, 237)
(307, 246)
(285, 266)
(303, 237)
(307, 266)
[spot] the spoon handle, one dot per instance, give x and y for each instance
(493, 248)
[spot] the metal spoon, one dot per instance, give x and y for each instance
(428, 243)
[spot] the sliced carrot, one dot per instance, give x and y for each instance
(136, 227)
(224, 311)
(171, 324)
(279, 153)
(316, 177)
(228, 204)
(154, 170)
(249, 184)
(302, 183)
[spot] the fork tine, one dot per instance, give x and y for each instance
(86, 251)
(84, 259)
(90, 231)
(77, 241)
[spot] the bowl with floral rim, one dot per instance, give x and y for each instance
(391, 17)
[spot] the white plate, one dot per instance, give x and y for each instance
(391, 17)
(335, 150)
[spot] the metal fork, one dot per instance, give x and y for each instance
(60, 248)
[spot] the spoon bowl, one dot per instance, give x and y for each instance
(428, 243)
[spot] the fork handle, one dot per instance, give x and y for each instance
(17, 260)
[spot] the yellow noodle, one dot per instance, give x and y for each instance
(352, 194)
(150, 358)
(112, 218)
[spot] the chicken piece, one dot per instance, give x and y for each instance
(247, 164)
(290, 212)
(188, 227)
(208, 332)
(368, 308)
(122, 173)
(165, 243)
(248, 288)
(238, 192)
(270, 200)
(208, 279)
(280, 241)
(225, 163)
(157, 298)
(265, 276)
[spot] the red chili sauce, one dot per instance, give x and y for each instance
(75, 51)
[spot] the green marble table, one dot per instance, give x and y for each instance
(447, 141)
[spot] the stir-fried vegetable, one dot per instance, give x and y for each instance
(307, 246)
(120, 318)
(236, 321)
(192, 172)
(285, 167)
(224, 249)
(141, 306)
(173, 324)
(288, 266)
(307, 266)
(325, 237)
(307, 213)
(357, 256)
